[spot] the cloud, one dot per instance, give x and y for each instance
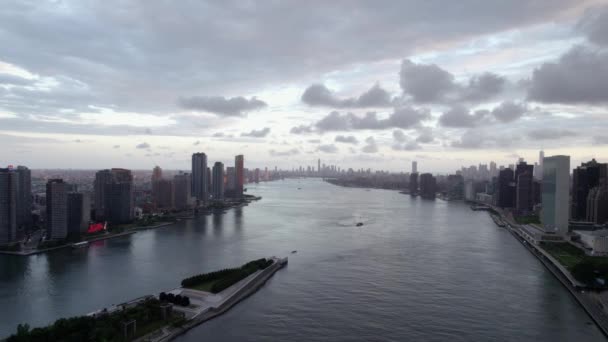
(580, 76)
(408, 146)
(9, 79)
(287, 153)
(483, 87)
(218, 135)
(550, 134)
(600, 140)
(301, 129)
(260, 133)
(469, 140)
(399, 136)
(426, 136)
(405, 117)
(327, 148)
(116, 146)
(196, 143)
(371, 146)
(143, 145)
(235, 106)
(595, 25)
(459, 116)
(509, 111)
(347, 139)
(320, 95)
(425, 82)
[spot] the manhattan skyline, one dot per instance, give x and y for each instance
(445, 85)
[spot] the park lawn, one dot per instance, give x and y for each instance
(567, 254)
(206, 286)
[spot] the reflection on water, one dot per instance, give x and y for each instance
(416, 270)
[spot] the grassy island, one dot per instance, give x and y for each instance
(219, 280)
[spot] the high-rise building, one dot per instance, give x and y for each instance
(523, 186)
(8, 206)
(597, 204)
(414, 167)
(541, 156)
(119, 197)
(162, 193)
(218, 181)
(584, 178)
(231, 180)
(505, 189)
(555, 194)
(78, 212)
(24, 199)
(157, 173)
(200, 177)
(181, 191)
(413, 183)
(428, 186)
(319, 165)
(455, 187)
(239, 162)
(102, 178)
(256, 175)
(56, 209)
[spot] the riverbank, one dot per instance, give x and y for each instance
(211, 306)
(142, 320)
(207, 210)
(590, 303)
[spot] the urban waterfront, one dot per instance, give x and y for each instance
(415, 270)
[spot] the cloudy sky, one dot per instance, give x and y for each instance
(92, 84)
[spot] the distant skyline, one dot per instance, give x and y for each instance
(355, 83)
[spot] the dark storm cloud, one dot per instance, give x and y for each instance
(550, 134)
(399, 136)
(595, 25)
(401, 118)
(260, 133)
(350, 139)
(244, 45)
(319, 95)
(578, 77)
(470, 139)
(425, 136)
(235, 106)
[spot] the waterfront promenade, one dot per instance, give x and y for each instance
(205, 306)
(589, 301)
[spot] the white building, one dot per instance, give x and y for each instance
(555, 194)
(596, 241)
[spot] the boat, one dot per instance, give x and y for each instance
(81, 244)
(294, 252)
(359, 224)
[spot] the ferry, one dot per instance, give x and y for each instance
(80, 244)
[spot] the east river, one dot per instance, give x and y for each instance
(416, 270)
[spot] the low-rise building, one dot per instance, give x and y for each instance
(595, 241)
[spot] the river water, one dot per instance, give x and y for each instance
(417, 270)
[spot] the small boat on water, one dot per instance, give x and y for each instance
(359, 224)
(81, 244)
(294, 252)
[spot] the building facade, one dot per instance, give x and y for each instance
(56, 209)
(239, 165)
(555, 194)
(200, 177)
(218, 181)
(8, 206)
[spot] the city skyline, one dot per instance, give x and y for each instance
(492, 90)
